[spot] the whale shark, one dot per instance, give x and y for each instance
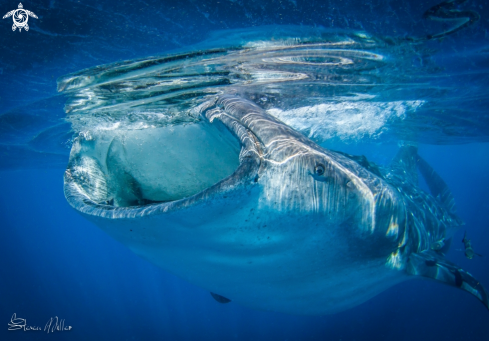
(243, 205)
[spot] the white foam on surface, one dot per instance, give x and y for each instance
(349, 120)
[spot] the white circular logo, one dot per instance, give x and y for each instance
(20, 17)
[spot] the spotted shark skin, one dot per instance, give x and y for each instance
(296, 228)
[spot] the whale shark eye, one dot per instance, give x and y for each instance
(319, 169)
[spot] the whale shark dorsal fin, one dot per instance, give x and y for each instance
(220, 299)
(437, 185)
(407, 159)
(430, 264)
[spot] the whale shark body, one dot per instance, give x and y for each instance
(181, 159)
(295, 228)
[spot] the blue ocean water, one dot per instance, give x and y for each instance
(56, 263)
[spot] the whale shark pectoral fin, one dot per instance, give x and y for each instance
(431, 265)
(220, 299)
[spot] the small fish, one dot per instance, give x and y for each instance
(469, 251)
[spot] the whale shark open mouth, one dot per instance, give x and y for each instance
(123, 168)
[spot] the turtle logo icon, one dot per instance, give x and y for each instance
(20, 17)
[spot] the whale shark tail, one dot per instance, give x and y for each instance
(432, 265)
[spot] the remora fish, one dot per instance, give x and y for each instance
(296, 228)
(469, 251)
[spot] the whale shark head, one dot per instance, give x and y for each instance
(238, 193)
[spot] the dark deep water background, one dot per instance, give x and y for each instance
(55, 263)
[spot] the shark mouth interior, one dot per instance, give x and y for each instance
(123, 168)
